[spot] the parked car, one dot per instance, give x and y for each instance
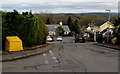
(49, 38)
(79, 38)
(59, 39)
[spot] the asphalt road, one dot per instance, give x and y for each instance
(67, 56)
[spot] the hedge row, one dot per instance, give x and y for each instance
(31, 29)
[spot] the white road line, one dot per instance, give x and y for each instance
(53, 56)
(44, 55)
(57, 61)
(50, 51)
(45, 59)
(46, 62)
(61, 70)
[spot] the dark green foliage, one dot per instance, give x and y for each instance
(0, 30)
(48, 21)
(24, 13)
(117, 29)
(77, 26)
(117, 21)
(31, 29)
(71, 33)
(74, 27)
(59, 31)
(71, 24)
(99, 37)
(91, 37)
(84, 19)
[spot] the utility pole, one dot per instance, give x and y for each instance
(94, 30)
(109, 14)
(108, 26)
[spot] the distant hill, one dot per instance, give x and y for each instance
(97, 13)
(84, 18)
(104, 14)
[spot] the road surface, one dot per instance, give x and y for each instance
(67, 56)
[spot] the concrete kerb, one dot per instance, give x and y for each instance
(39, 46)
(106, 46)
(25, 56)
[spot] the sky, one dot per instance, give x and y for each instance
(59, 6)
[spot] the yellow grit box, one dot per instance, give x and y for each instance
(13, 43)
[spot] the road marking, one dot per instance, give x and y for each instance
(45, 58)
(57, 61)
(46, 62)
(53, 56)
(61, 70)
(44, 54)
(50, 51)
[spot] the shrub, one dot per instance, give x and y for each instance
(71, 33)
(31, 29)
(59, 31)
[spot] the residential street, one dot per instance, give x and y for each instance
(68, 56)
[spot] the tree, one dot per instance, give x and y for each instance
(77, 27)
(48, 21)
(15, 12)
(59, 31)
(117, 21)
(31, 30)
(117, 29)
(70, 24)
(25, 13)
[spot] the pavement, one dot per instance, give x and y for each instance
(27, 52)
(10, 56)
(108, 45)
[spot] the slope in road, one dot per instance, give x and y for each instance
(67, 56)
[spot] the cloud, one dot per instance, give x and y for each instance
(39, 1)
(61, 7)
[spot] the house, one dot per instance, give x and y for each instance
(52, 28)
(106, 25)
(100, 27)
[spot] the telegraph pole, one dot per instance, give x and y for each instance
(109, 25)
(94, 30)
(109, 14)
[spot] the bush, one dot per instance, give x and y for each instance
(114, 40)
(59, 31)
(99, 38)
(31, 29)
(71, 33)
(91, 37)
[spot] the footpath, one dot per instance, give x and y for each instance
(10, 56)
(108, 45)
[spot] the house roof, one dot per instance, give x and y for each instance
(102, 26)
(52, 27)
(66, 28)
(106, 25)
(99, 23)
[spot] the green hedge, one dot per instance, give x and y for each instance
(31, 29)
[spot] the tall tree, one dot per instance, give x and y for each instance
(77, 26)
(117, 29)
(70, 24)
(48, 21)
(59, 31)
(117, 21)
